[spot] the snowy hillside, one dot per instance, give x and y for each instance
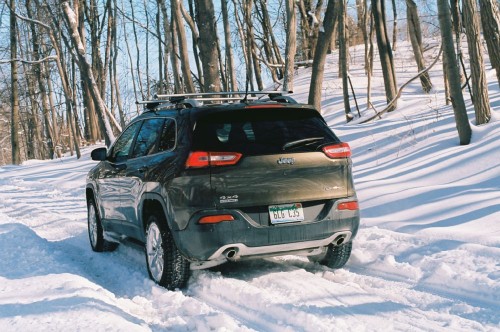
(427, 257)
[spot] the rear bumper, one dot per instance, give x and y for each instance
(211, 245)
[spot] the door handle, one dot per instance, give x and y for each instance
(143, 169)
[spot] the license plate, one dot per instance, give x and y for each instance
(286, 213)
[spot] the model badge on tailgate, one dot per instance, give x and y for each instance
(228, 199)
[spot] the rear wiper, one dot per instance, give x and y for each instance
(304, 141)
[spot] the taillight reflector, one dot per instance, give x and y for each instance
(201, 159)
(353, 205)
(215, 219)
(341, 150)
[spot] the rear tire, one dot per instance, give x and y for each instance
(96, 232)
(166, 265)
(335, 257)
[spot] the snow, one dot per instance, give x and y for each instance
(427, 256)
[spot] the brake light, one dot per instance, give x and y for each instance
(201, 159)
(352, 205)
(215, 219)
(341, 150)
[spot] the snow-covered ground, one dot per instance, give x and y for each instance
(427, 257)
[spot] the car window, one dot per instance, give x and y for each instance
(266, 131)
(168, 136)
(121, 148)
(147, 138)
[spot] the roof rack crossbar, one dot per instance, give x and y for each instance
(225, 93)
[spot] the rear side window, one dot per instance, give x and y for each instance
(262, 131)
(145, 142)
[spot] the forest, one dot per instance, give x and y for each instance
(72, 71)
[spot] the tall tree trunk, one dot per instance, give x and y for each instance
(231, 69)
(385, 51)
(449, 58)
(362, 10)
(416, 42)
(205, 18)
(38, 68)
(322, 47)
(244, 43)
(343, 57)
(291, 45)
(252, 46)
(14, 94)
(394, 25)
(86, 73)
(490, 20)
(457, 29)
(478, 74)
(194, 37)
(181, 34)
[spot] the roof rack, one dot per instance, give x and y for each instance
(182, 100)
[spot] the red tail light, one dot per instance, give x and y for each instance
(352, 205)
(215, 219)
(341, 150)
(201, 159)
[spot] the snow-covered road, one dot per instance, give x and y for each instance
(51, 280)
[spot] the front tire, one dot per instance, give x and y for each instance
(166, 265)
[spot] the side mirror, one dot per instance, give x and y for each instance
(99, 154)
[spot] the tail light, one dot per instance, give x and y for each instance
(201, 159)
(341, 150)
(215, 219)
(352, 205)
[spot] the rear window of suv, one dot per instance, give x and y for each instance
(262, 131)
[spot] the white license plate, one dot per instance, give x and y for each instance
(286, 213)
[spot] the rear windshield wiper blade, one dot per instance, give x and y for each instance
(304, 141)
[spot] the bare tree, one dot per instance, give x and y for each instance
(86, 73)
(478, 75)
(291, 45)
(322, 47)
(14, 95)
(490, 20)
(416, 42)
(451, 67)
(385, 51)
(344, 56)
(205, 18)
(231, 69)
(181, 36)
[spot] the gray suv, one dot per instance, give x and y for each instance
(199, 185)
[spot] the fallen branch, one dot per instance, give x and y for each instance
(389, 105)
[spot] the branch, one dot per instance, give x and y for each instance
(389, 105)
(49, 58)
(28, 19)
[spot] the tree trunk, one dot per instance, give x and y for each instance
(416, 42)
(490, 20)
(385, 51)
(343, 58)
(291, 45)
(231, 69)
(181, 34)
(394, 25)
(38, 68)
(478, 74)
(205, 18)
(14, 94)
(449, 58)
(86, 73)
(322, 47)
